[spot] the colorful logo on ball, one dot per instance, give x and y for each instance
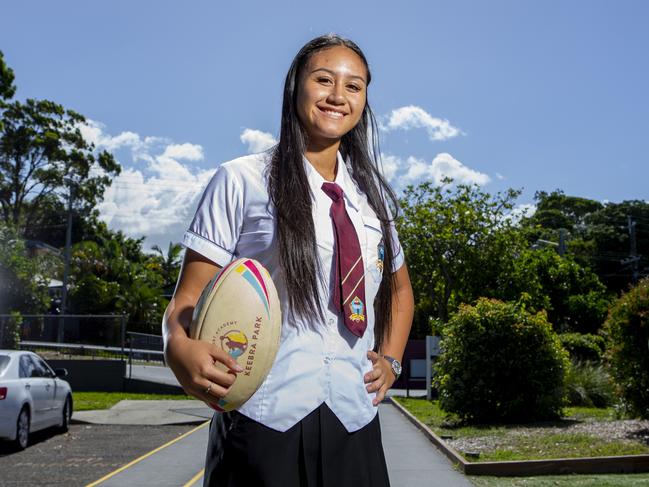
(235, 343)
(251, 274)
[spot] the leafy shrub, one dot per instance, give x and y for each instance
(11, 330)
(583, 346)
(500, 363)
(589, 384)
(627, 329)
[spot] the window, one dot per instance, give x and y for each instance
(26, 367)
(4, 362)
(42, 365)
(40, 370)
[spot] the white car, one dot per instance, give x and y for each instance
(32, 396)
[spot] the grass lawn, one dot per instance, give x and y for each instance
(529, 441)
(85, 401)
(625, 480)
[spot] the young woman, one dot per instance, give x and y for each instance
(315, 211)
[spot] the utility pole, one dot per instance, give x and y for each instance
(562, 241)
(633, 253)
(66, 269)
(561, 246)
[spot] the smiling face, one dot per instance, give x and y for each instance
(332, 93)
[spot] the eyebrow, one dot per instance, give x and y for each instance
(333, 73)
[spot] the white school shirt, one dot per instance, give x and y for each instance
(317, 361)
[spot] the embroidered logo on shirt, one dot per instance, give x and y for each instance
(235, 343)
(380, 251)
(357, 308)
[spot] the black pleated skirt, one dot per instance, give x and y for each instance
(316, 452)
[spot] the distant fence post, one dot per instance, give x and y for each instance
(123, 331)
(432, 351)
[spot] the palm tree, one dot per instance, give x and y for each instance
(170, 264)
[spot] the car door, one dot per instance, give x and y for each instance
(52, 412)
(36, 387)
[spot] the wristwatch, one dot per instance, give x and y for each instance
(396, 365)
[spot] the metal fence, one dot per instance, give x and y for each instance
(95, 336)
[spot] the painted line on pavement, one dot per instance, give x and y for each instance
(195, 478)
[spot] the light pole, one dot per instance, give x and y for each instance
(66, 268)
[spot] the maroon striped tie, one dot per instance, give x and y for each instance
(349, 279)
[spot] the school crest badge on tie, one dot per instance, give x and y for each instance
(357, 308)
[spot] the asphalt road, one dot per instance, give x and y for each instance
(81, 456)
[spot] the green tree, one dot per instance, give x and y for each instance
(459, 241)
(169, 263)
(7, 87)
(43, 156)
(627, 330)
(111, 274)
(571, 294)
(23, 285)
(597, 234)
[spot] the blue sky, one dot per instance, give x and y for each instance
(531, 95)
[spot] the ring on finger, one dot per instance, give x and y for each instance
(209, 388)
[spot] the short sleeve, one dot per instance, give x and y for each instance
(215, 228)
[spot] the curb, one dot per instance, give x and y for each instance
(555, 466)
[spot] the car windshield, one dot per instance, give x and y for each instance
(4, 362)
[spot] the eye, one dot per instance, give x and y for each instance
(354, 87)
(323, 79)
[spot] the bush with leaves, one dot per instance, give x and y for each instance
(23, 281)
(627, 331)
(584, 346)
(500, 363)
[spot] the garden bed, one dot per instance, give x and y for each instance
(583, 432)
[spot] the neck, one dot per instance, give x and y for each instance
(323, 158)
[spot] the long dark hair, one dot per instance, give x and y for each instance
(290, 193)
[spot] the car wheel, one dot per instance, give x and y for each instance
(67, 414)
(22, 430)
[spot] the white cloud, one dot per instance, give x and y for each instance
(391, 166)
(520, 211)
(411, 117)
(500, 176)
(443, 165)
(94, 132)
(158, 199)
(257, 140)
(190, 152)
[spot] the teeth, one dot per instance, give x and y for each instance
(333, 114)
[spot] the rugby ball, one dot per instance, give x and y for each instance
(239, 311)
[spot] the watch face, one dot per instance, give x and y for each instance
(396, 366)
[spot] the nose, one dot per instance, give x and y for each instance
(337, 95)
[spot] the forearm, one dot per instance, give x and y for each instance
(403, 307)
(175, 322)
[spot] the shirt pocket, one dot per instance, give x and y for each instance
(375, 249)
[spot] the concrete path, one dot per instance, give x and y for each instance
(412, 460)
(148, 413)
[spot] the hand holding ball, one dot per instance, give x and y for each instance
(239, 311)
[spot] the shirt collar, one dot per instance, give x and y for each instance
(343, 179)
